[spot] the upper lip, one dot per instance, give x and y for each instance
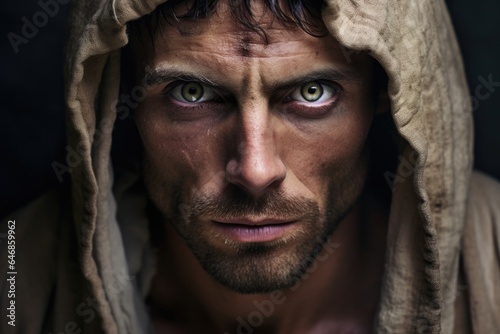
(257, 221)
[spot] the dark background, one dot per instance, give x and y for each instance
(32, 107)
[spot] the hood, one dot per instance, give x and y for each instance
(412, 40)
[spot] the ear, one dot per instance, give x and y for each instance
(382, 102)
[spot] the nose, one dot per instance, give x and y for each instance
(257, 166)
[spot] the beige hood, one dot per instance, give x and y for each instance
(415, 44)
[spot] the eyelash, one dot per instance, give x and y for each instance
(177, 84)
(324, 84)
(291, 105)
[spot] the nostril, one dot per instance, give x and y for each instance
(255, 177)
(233, 168)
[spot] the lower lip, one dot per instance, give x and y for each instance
(253, 233)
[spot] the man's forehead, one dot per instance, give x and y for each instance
(210, 43)
(260, 26)
(224, 35)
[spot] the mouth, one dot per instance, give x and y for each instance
(252, 230)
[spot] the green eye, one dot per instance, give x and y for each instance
(192, 92)
(312, 91)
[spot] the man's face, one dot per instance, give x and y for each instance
(254, 150)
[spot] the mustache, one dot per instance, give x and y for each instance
(238, 204)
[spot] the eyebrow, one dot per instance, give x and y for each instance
(158, 76)
(331, 74)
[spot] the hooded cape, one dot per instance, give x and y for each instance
(85, 262)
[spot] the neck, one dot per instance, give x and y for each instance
(340, 290)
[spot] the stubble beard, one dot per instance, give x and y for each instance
(251, 268)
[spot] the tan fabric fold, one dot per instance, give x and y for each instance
(94, 246)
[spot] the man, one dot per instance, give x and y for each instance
(268, 162)
(264, 197)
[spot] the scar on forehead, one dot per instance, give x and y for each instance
(244, 49)
(249, 40)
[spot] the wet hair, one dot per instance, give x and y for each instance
(305, 14)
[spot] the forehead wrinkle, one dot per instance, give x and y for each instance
(242, 39)
(234, 48)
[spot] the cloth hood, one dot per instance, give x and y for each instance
(412, 40)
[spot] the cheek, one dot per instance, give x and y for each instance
(334, 153)
(164, 150)
(176, 156)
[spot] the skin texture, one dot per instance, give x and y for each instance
(254, 149)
